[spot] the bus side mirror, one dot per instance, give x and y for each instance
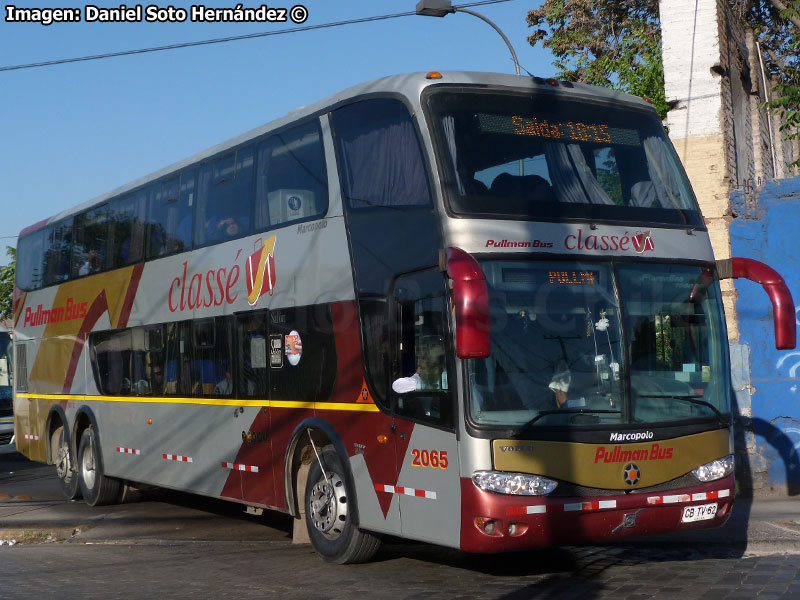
(778, 292)
(470, 295)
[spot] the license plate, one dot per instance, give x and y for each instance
(699, 513)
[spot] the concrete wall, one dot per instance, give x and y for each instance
(715, 82)
(767, 381)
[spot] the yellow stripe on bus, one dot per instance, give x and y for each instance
(209, 402)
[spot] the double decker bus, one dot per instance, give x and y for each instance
(472, 309)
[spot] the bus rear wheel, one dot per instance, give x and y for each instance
(65, 465)
(329, 513)
(96, 487)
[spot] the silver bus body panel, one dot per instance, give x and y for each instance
(580, 239)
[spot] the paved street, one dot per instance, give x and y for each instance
(176, 546)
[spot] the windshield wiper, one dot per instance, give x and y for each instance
(693, 400)
(570, 411)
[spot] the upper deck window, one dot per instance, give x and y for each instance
(538, 157)
(382, 161)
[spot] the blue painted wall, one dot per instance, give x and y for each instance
(767, 228)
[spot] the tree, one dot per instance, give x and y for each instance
(617, 43)
(611, 43)
(7, 285)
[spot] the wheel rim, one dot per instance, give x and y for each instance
(63, 466)
(87, 466)
(328, 506)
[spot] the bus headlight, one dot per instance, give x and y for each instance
(518, 484)
(716, 469)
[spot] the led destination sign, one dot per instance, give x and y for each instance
(573, 277)
(578, 131)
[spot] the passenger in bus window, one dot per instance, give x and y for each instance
(221, 229)
(90, 265)
(225, 387)
(157, 380)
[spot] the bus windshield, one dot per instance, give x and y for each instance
(541, 157)
(592, 343)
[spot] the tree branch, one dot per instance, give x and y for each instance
(782, 7)
(780, 64)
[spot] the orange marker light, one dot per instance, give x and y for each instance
(433, 75)
(149, 421)
(382, 439)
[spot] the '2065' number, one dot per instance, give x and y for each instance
(434, 459)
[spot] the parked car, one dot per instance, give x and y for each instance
(6, 390)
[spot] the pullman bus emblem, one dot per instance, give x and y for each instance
(643, 241)
(261, 270)
(631, 474)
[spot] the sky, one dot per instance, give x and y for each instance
(71, 132)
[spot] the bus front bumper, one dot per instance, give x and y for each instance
(493, 522)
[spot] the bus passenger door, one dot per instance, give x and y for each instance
(428, 483)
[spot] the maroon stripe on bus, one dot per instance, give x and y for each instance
(34, 227)
(96, 310)
(130, 295)
(349, 372)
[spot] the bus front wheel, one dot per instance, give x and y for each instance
(329, 517)
(96, 487)
(65, 465)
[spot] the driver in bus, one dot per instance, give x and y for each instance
(430, 373)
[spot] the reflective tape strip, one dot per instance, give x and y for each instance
(609, 504)
(681, 498)
(129, 451)
(31, 437)
(176, 457)
(392, 489)
(238, 467)
(566, 507)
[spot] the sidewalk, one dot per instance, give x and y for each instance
(757, 526)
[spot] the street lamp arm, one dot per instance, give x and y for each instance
(496, 28)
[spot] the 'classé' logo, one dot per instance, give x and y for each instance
(261, 270)
(215, 287)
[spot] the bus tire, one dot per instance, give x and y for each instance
(330, 524)
(68, 477)
(97, 489)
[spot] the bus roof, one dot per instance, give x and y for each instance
(409, 85)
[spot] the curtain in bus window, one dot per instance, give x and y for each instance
(57, 255)
(127, 218)
(449, 128)
(149, 360)
(212, 363)
(572, 178)
(30, 261)
(383, 162)
(664, 180)
(291, 177)
(225, 191)
(90, 242)
(170, 215)
(111, 353)
(253, 351)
